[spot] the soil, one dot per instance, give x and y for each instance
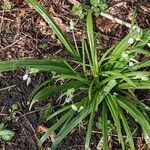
(23, 33)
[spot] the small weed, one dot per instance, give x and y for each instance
(5, 134)
(96, 6)
(7, 5)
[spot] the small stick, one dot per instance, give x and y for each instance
(115, 19)
(7, 19)
(17, 9)
(108, 16)
(8, 46)
(74, 2)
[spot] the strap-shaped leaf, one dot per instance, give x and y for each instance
(136, 114)
(121, 46)
(73, 123)
(91, 122)
(104, 126)
(114, 109)
(127, 130)
(145, 39)
(120, 75)
(42, 65)
(92, 43)
(45, 92)
(143, 64)
(39, 8)
(139, 85)
(54, 127)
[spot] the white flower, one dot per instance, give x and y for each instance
(138, 29)
(28, 81)
(81, 107)
(131, 41)
(71, 24)
(142, 77)
(33, 71)
(125, 55)
(68, 99)
(148, 44)
(74, 107)
(25, 77)
(131, 63)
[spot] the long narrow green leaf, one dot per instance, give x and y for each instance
(139, 51)
(55, 126)
(78, 104)
(121, 46)
(58, 112)
(127, 130)
(104, 126)
(139, 85)
(120, 75)
(39, 8)
(143, 64)
(38, 87)
(136, 114)
(137, 73)
(42, 65)
(89, 59)
(114, 109)
(103, 92)
(92, 44)
(45, 92)
(73, 123)
(145, 39)
(90, 125)
(83, 56)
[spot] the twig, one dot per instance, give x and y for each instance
(8, 46)
(74, 2)
(17, 9)
(108, 16)
(115, 19)
(3, 114)
(7, 19)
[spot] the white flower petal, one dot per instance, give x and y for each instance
(131, 41)
(25, 77)
(74, 107)
(28, 81)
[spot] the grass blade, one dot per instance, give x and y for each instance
(127, 130)
(139, 85)
(104, 126)
(42, 65)
(73, 123)
(136, 114)
(120, 75)
(54, 127)
(114, 109)
(92, 44)
(45, 92)
(39, 8)
(90, 125)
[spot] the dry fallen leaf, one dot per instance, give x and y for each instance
(43, 129)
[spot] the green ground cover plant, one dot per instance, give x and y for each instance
(5, 134)
(108, 82)
(81, 9)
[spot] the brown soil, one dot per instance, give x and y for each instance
(23, 33)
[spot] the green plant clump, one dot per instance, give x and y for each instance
(108, 83)
(97, 6)
(5, 134)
